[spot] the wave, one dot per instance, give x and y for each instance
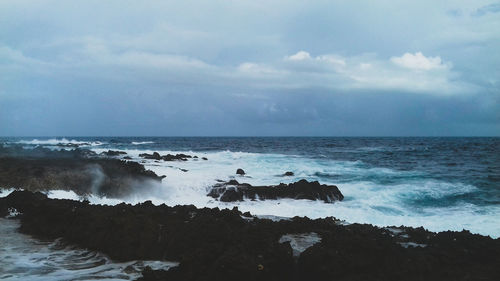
(58, 142)
(142, 142)
(376, 195)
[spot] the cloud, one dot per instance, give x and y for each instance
(413, 73)
(418, 61)
(299, 56)
(491, 8)
(218, 61)
(16, 58)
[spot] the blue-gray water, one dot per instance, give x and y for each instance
(440, 183)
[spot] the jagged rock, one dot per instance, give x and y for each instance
(113, 153)
(42, 170)
(170, 157)
(213, 244)
(154, 156)
(235, 191)
(75, 145)
(240, 172)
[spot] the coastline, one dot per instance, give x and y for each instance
(224, 244)
(227, 244)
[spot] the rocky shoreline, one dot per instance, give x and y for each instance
(213, 244)
(78, 170)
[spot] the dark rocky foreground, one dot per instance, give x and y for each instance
(234, 191)
(213, 244)
(81, 171)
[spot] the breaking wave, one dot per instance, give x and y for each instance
(60, 142)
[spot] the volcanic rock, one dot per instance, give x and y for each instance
(234, 191)
(113, 153)
(40, 169)
(213, 244)
(154, 156)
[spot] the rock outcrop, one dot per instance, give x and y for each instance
(113, 153)
(303, 189)
(78, 170)
(213, 244)
(168, 157)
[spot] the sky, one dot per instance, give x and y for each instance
(250, 68)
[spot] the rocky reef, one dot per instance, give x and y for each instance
(169, 157)
(213, 244)
(234, 191)
(81, 171)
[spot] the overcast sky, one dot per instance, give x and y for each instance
(236, 68)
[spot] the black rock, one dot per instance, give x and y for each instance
(204, 158)
(240, 172)
(288, 174)
(180, 156)
(235, 191)
(41, 170)
(113, 153)
(213, 244)
(154, 156)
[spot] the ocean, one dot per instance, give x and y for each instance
(438, 183)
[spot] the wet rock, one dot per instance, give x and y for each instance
(17, 151)
(154, 156)
(204, 158)
(74, 145)
(288, 174)
(113, 153)
(213, 244)
(234, 191)
(170, 157)
(41, 170)
(240, 172)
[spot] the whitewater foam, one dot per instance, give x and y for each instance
(62, 141)
(375, 195)
(26, 258)
(142, 142)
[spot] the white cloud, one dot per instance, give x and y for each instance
(418, 61)
(332, 59)
(410, 72)
(299, 56)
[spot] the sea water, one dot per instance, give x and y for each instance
(438, 183)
